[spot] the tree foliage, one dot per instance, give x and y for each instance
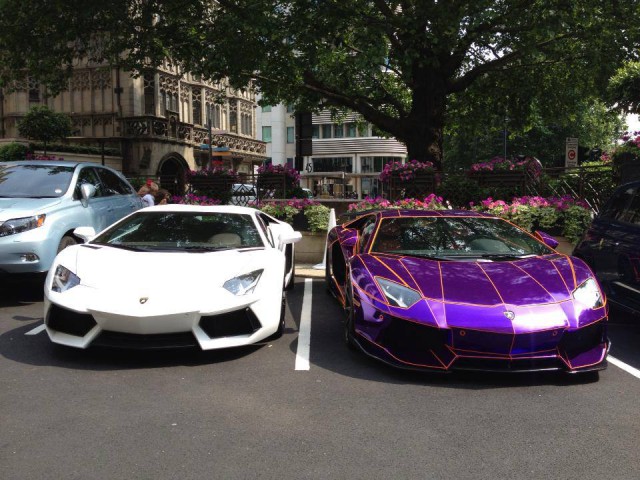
(399, 63)
(44, 125)
(624, 88)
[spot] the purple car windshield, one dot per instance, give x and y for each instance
(455, 238)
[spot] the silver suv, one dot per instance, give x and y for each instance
(42, 202)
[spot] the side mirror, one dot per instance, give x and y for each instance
(85, 233)
(547, 239)
(289, 237)
(87, 191)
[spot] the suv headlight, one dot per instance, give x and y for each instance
(17, 225)
(398, 295)
(243, 284)
(588, 293)
(64, 279)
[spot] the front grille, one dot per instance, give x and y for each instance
(403, 335)
(583, 339)
(70, 322)
(145, 342)
(238, 322)
(506, 365)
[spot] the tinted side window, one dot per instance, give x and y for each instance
(112, 184)
(618, 204)
(367, 230)
(88, 175)
(631, 214)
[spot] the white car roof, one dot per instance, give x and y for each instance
(173, 207)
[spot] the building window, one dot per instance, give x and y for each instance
(149, 94)
(351, 129)
(315, 132)
(290, 162)
(266, 109)
(290, 109)
(376, 164)
(266, 134)
(197, 107)
(326, 131)
(338, 131)
(337, 164)
(363, 130)
(290, 135)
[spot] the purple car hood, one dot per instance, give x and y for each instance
(530, 281)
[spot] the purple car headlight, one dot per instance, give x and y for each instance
(64, 279)
(398, 295)
(588, 294)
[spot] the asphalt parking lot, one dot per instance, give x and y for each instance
(302, 406)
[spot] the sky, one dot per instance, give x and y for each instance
(633, 123)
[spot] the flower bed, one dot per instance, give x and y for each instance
(215, 183)
(430, 202)
(192, 199)
(563, 216)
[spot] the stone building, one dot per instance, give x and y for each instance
(161, 121)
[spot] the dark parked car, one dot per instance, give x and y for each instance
(611, 247)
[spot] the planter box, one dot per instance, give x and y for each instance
(310, 249)
(564, 246)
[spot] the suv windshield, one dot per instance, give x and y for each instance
(455, 238)
(34, 181)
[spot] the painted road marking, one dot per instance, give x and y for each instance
(627, 368)
(36, 330)
(304, 335)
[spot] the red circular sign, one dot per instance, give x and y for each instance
(571, 154)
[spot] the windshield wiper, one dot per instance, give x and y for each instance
(123, 247)
(504, 256)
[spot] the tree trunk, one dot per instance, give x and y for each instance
(423, 127)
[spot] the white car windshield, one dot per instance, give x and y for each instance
(182, 231)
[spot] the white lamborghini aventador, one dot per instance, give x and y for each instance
(173, 275)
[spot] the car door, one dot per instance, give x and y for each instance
(122, 199)
(96, 212)
(609, 233)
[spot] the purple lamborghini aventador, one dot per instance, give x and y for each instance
(452, 290)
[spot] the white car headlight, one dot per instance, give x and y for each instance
(398, 295)
(243, 284)
(18, 225)
(588, 294)
(64, 279)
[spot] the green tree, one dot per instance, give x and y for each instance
(396, 62)
(44, 125)
(624, 88)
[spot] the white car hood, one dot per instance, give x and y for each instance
(109, 269)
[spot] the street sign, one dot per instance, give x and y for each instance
(571, 152)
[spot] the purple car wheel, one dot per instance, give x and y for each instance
(349, 331)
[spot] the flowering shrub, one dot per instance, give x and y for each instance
(565, 215)
(31, 156)
(316, 214)
(629, 149)
(405, 171)
(501, 164)
(431, 202)
(270, 168)
(191, 199)
(215, 182)
(216, 171)
(274, 186)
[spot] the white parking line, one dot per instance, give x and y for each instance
(37, 330)
(627, 368)
(304, 335)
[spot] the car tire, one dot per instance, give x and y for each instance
(349, 331)
(66, 241)
(281, 325)
(292, 282)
